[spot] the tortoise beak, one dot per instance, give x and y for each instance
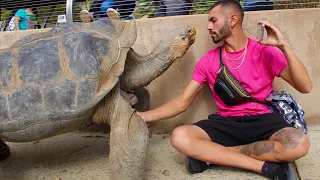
(192, 34)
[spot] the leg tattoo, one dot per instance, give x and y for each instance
(258, 148)
(246, 149)
(262, 147)
(289, 138)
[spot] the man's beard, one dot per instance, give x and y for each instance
(223, 32)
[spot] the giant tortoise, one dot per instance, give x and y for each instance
(80, 74)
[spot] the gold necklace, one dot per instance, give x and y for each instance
(244, 52)
(240, 63)
(225, 54)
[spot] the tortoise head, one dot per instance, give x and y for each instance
(180, 41)
(141, 70)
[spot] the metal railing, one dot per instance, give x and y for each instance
(69, 11)
(48, 11)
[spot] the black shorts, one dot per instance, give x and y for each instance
(240, 130)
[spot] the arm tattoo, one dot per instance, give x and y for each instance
(258, 148)
(289, 138)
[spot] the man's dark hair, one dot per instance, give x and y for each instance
(234, 4)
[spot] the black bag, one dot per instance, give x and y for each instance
(228, 87)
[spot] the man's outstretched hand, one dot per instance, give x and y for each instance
(143, 116)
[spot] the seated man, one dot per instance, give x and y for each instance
(249, 135)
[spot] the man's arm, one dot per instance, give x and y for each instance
(17, 23)
(295, 74)
(174, 106)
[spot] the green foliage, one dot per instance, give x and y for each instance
(296, 4)
(201, 7)
(4, 14)
(58, 10)
(144, 7)
(147, 7)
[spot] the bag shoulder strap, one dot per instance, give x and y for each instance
(220, 57)
(222, 65)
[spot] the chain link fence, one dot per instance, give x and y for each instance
(51, 13)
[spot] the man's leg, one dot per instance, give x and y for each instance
(193, 141)
(286, 145)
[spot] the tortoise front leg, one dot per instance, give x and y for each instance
(128, 146)
(128, 136)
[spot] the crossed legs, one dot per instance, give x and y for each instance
(286, 145)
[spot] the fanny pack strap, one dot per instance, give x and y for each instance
(220, 58)
(222, 65)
